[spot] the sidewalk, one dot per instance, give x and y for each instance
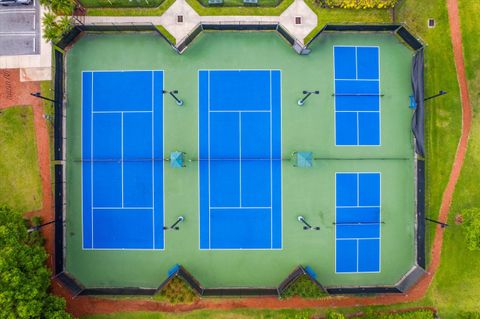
(191, 19)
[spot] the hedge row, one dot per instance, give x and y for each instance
(361, 4)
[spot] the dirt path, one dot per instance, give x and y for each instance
(84, 305)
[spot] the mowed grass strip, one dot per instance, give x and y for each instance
(269, 314)
(20, 182)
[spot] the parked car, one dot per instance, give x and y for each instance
(15, 2)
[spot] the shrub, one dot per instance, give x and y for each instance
(416, 314)
(305, 288)
(361, 4)
(176, 291)
(334, 315)
(471, 226)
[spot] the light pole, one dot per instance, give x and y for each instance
(306, 226)
(440, 93)
(443, 225)
(37, 94)
(301, 101)
(172, 93)
(38, 227)
(174, 226)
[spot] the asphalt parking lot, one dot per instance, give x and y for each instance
(20, 29)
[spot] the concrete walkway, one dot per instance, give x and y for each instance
(298, 9)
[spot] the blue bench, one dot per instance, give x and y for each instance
(215, 2)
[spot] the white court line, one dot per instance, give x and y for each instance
(153, 163)
(358, 185)
(359, 80)
(357, 238)
(358, 129)
(357, 111)
(358, 206)
(358, 253)
(334, 106)
(122, 142)
(120, 208)
(271, 169)
(121, 150)
(163, 154)
(239, 111)
(116, 112)
(91, 156)
(379, 102)
(356, 63)
(240, 154)
(198, 171)
(241, 207)
(82, 194)
(280, 150)
(240, 160)
(208, 139)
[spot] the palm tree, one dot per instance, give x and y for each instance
(54, 27)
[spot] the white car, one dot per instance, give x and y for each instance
(15, 2)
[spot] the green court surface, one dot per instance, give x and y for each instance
(307, 192)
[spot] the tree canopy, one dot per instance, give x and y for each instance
(24, 278)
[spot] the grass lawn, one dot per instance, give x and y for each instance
(20, 186)
(443, 115)
(326, 16)
(457, 284)
(263, 314)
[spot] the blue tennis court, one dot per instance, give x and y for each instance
(357, 96)
(240, 159)
(357, 222)
(122, 134)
